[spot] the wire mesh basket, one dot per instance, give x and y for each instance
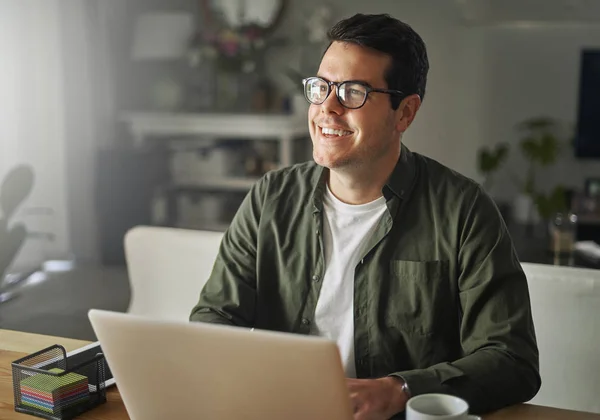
(45, 386)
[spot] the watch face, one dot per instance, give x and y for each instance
(405, 389)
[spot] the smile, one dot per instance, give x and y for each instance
(334, 132)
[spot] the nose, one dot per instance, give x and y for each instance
(332, 103)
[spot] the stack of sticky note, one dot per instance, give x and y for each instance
(52, 394)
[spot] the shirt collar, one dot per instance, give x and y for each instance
(399, 184)
(402, 179)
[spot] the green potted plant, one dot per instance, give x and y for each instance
(489, 160)
(541, 146)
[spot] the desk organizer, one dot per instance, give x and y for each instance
(44, 386)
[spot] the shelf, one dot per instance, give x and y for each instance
(175, 129)
(588, 219)
(246, 126)
(222, 184)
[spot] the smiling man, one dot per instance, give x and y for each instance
(405, 263)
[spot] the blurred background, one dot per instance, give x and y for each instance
(120, 113)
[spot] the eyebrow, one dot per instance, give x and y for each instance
(363, 82)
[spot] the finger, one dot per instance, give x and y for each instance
(355, 401)
(361, 414)
(350, 382)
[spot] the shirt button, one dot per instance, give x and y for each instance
(305, 321)
(316, 278)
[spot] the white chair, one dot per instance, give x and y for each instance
(167, 269)
(565, 303)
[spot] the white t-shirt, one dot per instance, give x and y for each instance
(346, 228)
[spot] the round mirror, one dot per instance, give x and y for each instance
(235, 14)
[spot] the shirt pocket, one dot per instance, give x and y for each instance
(419, 298)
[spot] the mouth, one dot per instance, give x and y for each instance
(333, 133)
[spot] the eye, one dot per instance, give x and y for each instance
(355, 90)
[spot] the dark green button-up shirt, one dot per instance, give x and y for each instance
(440, 298)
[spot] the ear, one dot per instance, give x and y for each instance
(407, 111)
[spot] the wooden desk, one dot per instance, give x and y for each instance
(14, 345)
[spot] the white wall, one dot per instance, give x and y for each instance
(89, 113)
(483, 79)
(133, 80)
(533, 70)
(32, 117)
(100, 81)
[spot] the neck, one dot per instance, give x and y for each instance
(361, 185)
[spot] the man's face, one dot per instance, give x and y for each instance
(363, 136)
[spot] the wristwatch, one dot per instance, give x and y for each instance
(406, 389)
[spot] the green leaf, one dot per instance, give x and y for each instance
(490, 160)
(537, 124)
(552, 203)
(529, 148)
(549, 148)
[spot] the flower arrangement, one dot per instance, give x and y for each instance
(240, 50)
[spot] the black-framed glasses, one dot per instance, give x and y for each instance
(351, 94)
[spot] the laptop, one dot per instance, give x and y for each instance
(181, 370)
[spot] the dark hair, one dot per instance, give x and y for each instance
(408, 72)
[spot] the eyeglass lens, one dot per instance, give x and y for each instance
(350, 95)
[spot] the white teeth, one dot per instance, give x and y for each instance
(331, 131)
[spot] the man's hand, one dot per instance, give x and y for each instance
(376, 399)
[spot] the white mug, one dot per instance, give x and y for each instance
(438, 407)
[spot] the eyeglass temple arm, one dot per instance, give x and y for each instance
(396, 92)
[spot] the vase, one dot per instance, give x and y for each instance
(227, 91)
(167, 94)
(524, 211)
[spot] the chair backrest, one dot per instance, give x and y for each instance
(167, 269)
(565, 303)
